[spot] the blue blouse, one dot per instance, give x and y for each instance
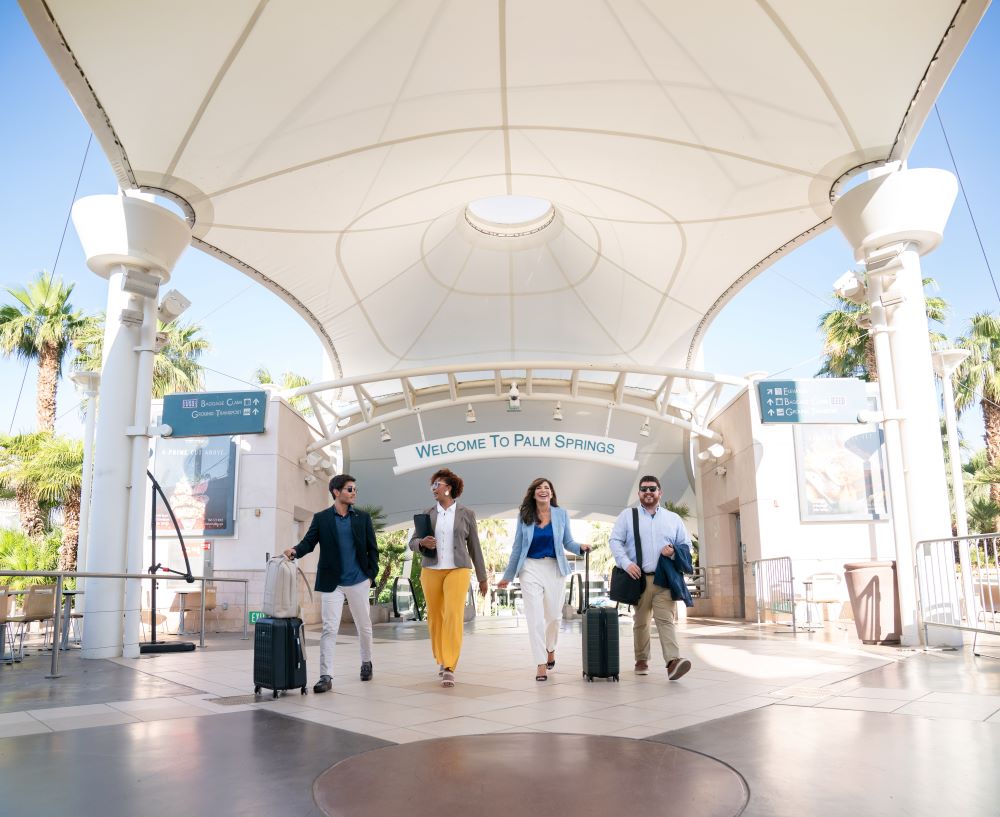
(543, 544)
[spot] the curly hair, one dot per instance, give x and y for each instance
(529, 510)
(454, 481)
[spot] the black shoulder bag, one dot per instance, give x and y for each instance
(624, 588)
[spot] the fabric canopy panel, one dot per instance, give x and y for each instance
(330, 151)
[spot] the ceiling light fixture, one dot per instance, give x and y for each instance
(557, 414)
(470, 414)
(644, 428)
(384, 434)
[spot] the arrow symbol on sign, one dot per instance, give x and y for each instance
(770, 412)
(256, 401)
(770, 402)
(256, 411)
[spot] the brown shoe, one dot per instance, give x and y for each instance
(677, 668)
(641, 668)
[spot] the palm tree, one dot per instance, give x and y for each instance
(849, 349)
(494, 541)
(40, 326)
(56, 474)
(23, 554)
(289, 380)
(16, 455)
(978, 378)
(175, 366)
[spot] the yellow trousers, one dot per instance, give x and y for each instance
(445, 592)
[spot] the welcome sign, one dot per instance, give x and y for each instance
(552, 444)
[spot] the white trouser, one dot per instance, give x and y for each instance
(542, 587)
(333, 608)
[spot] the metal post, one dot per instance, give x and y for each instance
(246, 608)
(201, 640)
(56, 626)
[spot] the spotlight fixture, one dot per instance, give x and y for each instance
(470, 414)
(718, 450)
(644, 428)
(384, 434)
(172, 306)
(557, 414)
(140, 282)
(513, 398)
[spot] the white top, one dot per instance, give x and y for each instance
(444, 532)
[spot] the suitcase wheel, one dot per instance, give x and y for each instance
(616, 679)
(256, 690)
(303, 690)
(274, 694)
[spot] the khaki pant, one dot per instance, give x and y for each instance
(445, 592)
(655, 602)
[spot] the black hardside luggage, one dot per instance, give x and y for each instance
(279, 658)
(600, 636)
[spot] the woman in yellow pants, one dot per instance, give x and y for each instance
(448, 557)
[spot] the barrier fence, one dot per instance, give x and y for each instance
(947, 598)
(775, 587)
(57, 598)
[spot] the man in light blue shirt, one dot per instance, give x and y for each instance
(661, 532)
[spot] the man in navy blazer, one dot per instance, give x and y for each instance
(348, 565)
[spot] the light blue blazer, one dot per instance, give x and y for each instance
(522, 542)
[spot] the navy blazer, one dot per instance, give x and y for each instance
(323, 531)
(670, 573)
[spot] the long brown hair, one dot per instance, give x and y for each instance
(529, 510)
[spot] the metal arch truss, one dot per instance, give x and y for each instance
(351, 405)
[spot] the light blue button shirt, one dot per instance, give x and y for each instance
(655, 530)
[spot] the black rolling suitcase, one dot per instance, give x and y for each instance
(279, 658)
(600, 636)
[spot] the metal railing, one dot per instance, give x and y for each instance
(946, 598)
(61, 576)
(697, 583)
(775, 587)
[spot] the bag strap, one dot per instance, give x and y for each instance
(295, 563)
(635, 535)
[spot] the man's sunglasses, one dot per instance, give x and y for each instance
(648, 489)
(351, 489)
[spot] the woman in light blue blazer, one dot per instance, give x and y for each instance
(538, 559)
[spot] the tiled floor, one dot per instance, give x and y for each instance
(746, 685)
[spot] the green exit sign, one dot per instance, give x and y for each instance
(253, 615)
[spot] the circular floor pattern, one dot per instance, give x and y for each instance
(500, 775)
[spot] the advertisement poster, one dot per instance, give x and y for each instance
(198, 475)
(841, 473)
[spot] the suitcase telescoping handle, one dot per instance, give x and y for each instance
(586, 579)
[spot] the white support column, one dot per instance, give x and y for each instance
(946, 361)
(88, 382)
(134, 244)
(138, 521)
(891, 220)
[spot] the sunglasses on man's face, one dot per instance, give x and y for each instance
(350, 489)
(648, 489)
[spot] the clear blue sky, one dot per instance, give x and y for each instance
(771, 324)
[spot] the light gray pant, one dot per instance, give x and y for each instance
(542, 587)
(332, 605)
(655, 602)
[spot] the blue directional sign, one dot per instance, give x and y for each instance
(213, 413)
(823, 400)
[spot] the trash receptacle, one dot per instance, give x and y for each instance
(874, 600)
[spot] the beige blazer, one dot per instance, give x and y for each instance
(465, 533)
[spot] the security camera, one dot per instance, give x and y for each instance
(851, 287)
(513, 398)
(161, 341)
(720, 470)
(172, 306)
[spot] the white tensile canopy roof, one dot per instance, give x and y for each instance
(330, 150)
